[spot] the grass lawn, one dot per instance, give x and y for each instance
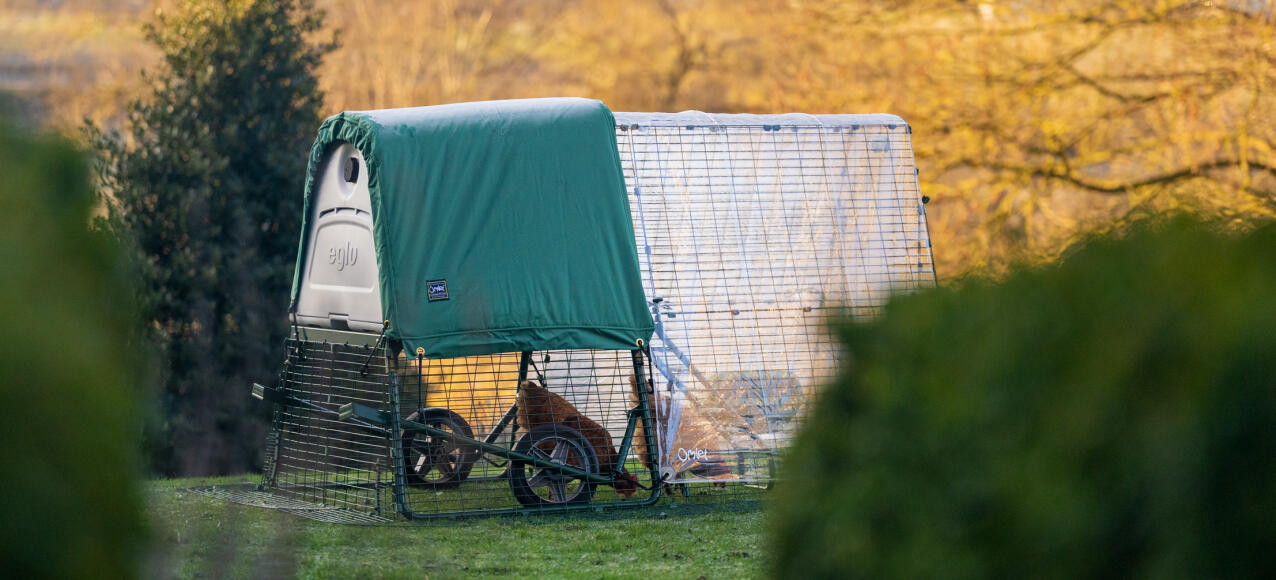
(196, 536)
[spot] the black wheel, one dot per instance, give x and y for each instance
(535, 486)
(438, 462)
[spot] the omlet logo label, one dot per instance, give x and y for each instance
(342, 257)
(687, 455)
(436, 290)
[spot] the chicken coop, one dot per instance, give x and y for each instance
(539, 304)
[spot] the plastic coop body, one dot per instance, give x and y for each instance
(339, 281)
(750, 231)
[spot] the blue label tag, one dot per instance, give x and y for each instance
(436, 290)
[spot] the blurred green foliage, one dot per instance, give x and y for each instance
(1111, 416)
(206, 185)
(70, 367)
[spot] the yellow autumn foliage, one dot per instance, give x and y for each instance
(1033, 121)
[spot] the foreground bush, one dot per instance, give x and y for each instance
(1111, 416)
(68, 375)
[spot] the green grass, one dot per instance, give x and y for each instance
(195, 536)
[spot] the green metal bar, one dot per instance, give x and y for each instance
(648, 429)
(627, 440)
(273, 441)
(356, 410)
(524, 360)
(597, 507)
(399, 486)
(509, 417)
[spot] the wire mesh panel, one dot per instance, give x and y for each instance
(751, 232)
(573, 408)
(313, 455)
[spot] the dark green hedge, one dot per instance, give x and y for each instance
(69, 374)
(1110, 416)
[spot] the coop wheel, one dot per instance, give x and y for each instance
(543, 487)
(437, 462)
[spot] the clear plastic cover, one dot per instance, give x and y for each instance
(752, 231)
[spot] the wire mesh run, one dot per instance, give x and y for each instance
(313, 455)
(549, 430)
(752, 231)
(577, 408)
(259, 496)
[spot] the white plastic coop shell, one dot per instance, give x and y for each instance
(339, 284)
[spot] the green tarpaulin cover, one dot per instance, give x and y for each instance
(499, 226)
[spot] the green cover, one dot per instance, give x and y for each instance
(520, 206)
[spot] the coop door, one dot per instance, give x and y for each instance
(339, 287)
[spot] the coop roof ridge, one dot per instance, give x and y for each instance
(701, 118)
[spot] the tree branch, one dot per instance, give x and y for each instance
(1110, 187)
